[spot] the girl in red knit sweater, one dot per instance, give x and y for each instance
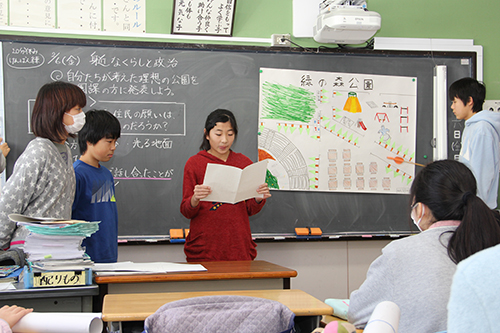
(218, 231)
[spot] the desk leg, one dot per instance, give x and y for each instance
(306, 324)
(99, 299)
(286, 283)
(114, 327)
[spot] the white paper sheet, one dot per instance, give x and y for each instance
(230, 184)
(146, 267)
(79, 15)
(59, 322)
(7, 286)
(124, 16)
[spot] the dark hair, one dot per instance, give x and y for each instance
(52, 101)
(468, 87)
(218, 116)
(99, 124)
(449, 189)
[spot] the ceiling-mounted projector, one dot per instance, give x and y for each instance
(346, 25)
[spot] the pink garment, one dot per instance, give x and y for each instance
(447, 223)
(4, 327)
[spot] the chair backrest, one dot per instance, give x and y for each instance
(221, 314)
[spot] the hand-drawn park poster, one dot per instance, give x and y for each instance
(324, 131)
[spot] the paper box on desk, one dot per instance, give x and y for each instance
(33, 278)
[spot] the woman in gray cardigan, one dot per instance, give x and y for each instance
(416, 272)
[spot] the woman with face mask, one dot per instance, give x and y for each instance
(42, 183)
(416, 272)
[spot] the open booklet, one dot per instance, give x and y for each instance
(231, 184)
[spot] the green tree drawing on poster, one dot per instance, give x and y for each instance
(287, 103)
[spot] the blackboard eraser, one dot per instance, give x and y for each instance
(302, 231)
(315, 231)
(176, 233)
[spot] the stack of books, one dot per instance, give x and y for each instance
(55, 244)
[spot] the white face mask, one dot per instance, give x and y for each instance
(78, 123)
(417, 223)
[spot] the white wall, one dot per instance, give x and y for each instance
(326, 269)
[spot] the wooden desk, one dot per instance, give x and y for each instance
(220, 275)
(216, 270)
(137, 307)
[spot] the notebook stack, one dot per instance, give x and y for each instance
(54, 244)
(49, 252)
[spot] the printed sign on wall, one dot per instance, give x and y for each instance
(203, 17)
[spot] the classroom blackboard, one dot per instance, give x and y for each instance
(162, 93)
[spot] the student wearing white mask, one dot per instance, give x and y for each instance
(416, 272)
(42, 183)
(77, 120)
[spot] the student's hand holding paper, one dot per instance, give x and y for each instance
(232, 185)
(264, 191)
(200, 192)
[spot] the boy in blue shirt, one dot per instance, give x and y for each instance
(481, 137)
(95, 188)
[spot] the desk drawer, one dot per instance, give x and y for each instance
(53, 304)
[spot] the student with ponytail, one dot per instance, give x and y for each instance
(416, 272)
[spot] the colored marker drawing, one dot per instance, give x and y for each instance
(288, 165)
(287, 102)
(271, 181)
(352, 104)
(327, 131)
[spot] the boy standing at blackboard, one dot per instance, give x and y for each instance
(480, 150)
(95, 188)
